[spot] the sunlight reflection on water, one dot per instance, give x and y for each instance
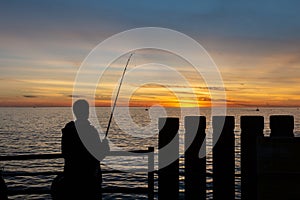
(38, 130)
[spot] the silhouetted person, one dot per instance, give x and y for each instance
(82, 175)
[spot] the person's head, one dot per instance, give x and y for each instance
(81, 109)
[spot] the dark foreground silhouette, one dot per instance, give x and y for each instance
(3, 188)
(82, 177)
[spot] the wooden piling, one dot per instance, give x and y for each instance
(278, 161)
(168, 159)
(251, 130)
(223, 158)
(195, 158)
(282, 126)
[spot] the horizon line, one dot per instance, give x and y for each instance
(230, 106)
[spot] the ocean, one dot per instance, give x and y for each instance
(38, 131)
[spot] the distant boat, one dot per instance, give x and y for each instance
(146, 109)
(257, 109)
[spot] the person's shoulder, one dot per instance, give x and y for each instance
(69, 125)
(93, 128)
(90, 125)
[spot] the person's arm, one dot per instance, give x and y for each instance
(64, 145)
(65, 142)
(105, 148)
(104, 145)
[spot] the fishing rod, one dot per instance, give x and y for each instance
(117, 95)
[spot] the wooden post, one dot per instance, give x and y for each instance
(282, 126)
(251, 128)
(168, 159)
(195, 158)
(223, 158)
(278, 161)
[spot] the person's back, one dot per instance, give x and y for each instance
(82, 176)
(78, 161)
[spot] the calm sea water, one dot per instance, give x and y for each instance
(38, 130)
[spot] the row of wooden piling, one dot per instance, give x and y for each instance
(252, 141)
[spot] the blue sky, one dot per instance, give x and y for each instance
(255, 44)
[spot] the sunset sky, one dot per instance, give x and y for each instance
(255, 45)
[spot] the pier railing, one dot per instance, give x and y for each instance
(125, 190)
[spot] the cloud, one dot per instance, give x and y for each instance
(30, 96)
(213, 88)
(75, 96)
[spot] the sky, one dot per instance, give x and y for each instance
(255, 45)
